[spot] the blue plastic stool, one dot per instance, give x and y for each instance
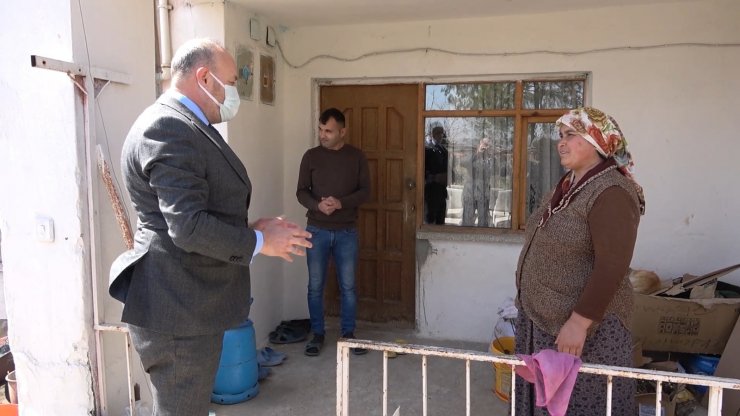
(236, 379)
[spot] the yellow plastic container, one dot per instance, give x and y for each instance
(502, 377)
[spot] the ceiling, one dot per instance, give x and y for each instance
(297, 13)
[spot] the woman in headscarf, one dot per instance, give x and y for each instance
(573, 292)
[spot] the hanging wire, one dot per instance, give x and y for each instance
(428, 49)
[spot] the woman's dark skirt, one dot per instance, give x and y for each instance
(610, 344)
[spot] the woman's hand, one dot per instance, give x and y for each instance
(572, 335)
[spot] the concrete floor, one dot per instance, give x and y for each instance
(306, 386)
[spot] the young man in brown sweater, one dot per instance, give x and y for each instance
(333, 182)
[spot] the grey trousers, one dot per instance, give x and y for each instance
(182, 369)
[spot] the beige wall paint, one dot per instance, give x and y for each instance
(677, 106)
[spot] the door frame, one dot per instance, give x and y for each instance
(316, 85)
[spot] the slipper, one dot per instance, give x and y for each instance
(313, 348)
(263, 372)
(267, 357)
(287, 335)
(304, 324)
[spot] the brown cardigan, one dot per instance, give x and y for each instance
(578, 261)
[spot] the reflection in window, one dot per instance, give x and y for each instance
(543, 163)
(488, 96)
(474, 130)
(552, 94)
(468, 171)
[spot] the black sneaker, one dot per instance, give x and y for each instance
(355, 351)
(313, 348)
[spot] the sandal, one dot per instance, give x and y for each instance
(287, 335)
(313, 348)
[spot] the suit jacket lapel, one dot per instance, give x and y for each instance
(211, 133)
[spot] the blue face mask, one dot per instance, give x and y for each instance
(230, 106)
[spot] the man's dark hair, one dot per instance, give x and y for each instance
(332, 113)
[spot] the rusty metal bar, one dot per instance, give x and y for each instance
(605, 370)
(512, 396)
(131, 398)
(715, 384)
(714, 407)
(342, 379)
(424, 384)
(609, 395)
(385, 383)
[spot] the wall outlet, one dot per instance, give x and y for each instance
(44, 229)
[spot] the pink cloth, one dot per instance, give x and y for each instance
(553, 375)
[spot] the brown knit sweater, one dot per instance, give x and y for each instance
(578, 260)
(343, 174)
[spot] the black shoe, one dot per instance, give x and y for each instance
(313, 348)
(355, 351)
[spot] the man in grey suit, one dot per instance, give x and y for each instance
(187, 280)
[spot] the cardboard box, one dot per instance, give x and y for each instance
(674, 324)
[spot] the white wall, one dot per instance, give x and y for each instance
(256, 136)
(43, 171)
(677, 106)
(118, 35)
(49, 319)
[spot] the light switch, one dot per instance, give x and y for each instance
(44, 229)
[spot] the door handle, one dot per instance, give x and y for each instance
(410, 184)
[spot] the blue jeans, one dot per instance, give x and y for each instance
(342, 245)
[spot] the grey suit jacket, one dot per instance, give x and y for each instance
(188, 273)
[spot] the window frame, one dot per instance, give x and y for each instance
(522, 117)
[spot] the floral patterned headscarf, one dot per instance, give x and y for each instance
(603, 132)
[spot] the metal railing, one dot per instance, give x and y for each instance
(716, 385)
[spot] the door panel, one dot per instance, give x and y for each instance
(382, 121)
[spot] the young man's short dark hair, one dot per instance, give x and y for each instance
(332, 113)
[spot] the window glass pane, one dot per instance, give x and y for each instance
(553, 94)
(543, 163)
(468, 168)
(488, 96)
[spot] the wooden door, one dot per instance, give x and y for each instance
(382, 120)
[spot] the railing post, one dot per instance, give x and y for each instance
(385, 383)
(609, 381)
(512, 395)
(424, 384)
(467, 387)
(714, 407)
(342, 379)
(658, 397)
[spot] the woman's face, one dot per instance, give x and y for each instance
(575, 152)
